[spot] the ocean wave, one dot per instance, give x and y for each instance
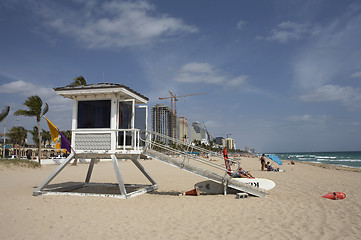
(302, 156)
(338, 160)
(346, 160)
(350, 159)
(314, 162)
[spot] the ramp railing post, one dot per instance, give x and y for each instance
(225, 185)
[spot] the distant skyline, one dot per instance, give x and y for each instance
(280, 76)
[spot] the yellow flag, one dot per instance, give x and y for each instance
(53, 130)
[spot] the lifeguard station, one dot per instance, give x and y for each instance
(106, 123)
(110, 122)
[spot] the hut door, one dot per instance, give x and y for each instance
(141, 116)
(125, 122)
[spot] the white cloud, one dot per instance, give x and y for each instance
(100, 24)
(238, 80)
(196, 72)
(202, 68)
(25, 89)
(307, 118)
(15, 93)
(356, 75)
(241, 24)
(22, 88)
(351, 97)
(287, 31)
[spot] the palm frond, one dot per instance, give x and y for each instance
(82, 80)
(34, 104)
(4, 113)
(46, 109)
(78, 81)
(21, 112)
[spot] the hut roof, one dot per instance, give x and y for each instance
(98, 88)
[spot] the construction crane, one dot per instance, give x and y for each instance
(174, 98)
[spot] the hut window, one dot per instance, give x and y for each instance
(94, 114)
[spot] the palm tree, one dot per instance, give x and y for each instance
(18, 136)
(67, 134)
(4, 113)
(78, 81)
(45, 136)
(35, 109)
(34, 134)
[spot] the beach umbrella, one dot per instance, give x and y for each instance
(275, 159)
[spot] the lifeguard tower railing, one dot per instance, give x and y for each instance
(186, 150)
(194, 159)
(110, 141)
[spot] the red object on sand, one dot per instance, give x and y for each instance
(335, 195)
(194, 192)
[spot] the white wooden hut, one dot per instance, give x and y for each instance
(107, 122)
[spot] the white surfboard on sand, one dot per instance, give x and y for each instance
(216, 188)
(265, 184)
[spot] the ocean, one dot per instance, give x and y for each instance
(346, 159)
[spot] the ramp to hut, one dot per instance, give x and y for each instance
(190, 162)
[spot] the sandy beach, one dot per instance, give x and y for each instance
(294, 209)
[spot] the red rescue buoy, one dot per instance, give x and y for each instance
(335, 195)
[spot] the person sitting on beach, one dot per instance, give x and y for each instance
(267, 166)
(242, 174)
(270, 168)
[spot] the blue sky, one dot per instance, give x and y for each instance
(281, 76)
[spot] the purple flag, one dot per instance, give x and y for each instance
(64, 144)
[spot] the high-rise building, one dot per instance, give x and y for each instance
(219, 140)
(199, 133)
(229, 143)
(183, 129)
(162, 121)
